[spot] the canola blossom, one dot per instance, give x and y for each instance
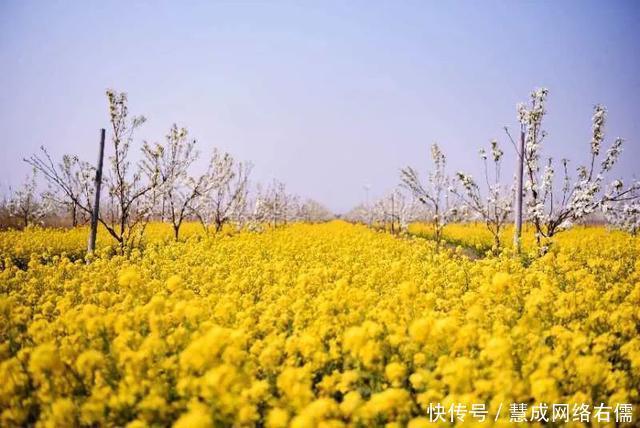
(314, 326)
(44, 244)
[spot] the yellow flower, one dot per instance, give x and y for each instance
(395, 372)
(351, 401)
(501, 281)
(174, 283)
(277, 418)
(420, 329)
(198, 416)
(420, 422)
(63, 413)
(88, 362)
(44, 360)
(129, 277)
(323, 325)
(390, 401)
(295, 384)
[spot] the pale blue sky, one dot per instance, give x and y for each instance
(325, 96)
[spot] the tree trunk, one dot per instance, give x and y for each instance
(74, 214)
(393, 218)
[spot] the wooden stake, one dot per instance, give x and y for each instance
(96, 205)
(517, 236)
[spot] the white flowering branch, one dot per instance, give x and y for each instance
(71, 181)
(275, 205)
(552, 211)
(179, 190)
(223, 192)
(395, 211)
(495, 208)
(312, 211)
(435, 194)
(26, 205)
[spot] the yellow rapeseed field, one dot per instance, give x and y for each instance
(45, 243)
(312, 325)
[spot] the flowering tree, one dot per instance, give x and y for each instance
(132, 191)
(26, 205)
(494, 208)
(435, 194)
(223, 192)
(275, 205)
(385, 212)
(550, 209)
(313, 211)
(361, 213)
(71, 180)
(623, 213)
(179, 191)
(395, 211)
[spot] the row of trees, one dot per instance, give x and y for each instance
(548, 202)
(162, 185)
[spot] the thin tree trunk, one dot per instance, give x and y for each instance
(74, 214)
(393, 219)
(96, 205)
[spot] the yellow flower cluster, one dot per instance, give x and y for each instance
(45, 244)
(476, 236)
(471, 235)
(315, 326)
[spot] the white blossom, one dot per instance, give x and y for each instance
(435, 194)
(550, 209)
(223, 197)
(275, 206)
(26, 205)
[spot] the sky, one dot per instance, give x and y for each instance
(328, 97)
